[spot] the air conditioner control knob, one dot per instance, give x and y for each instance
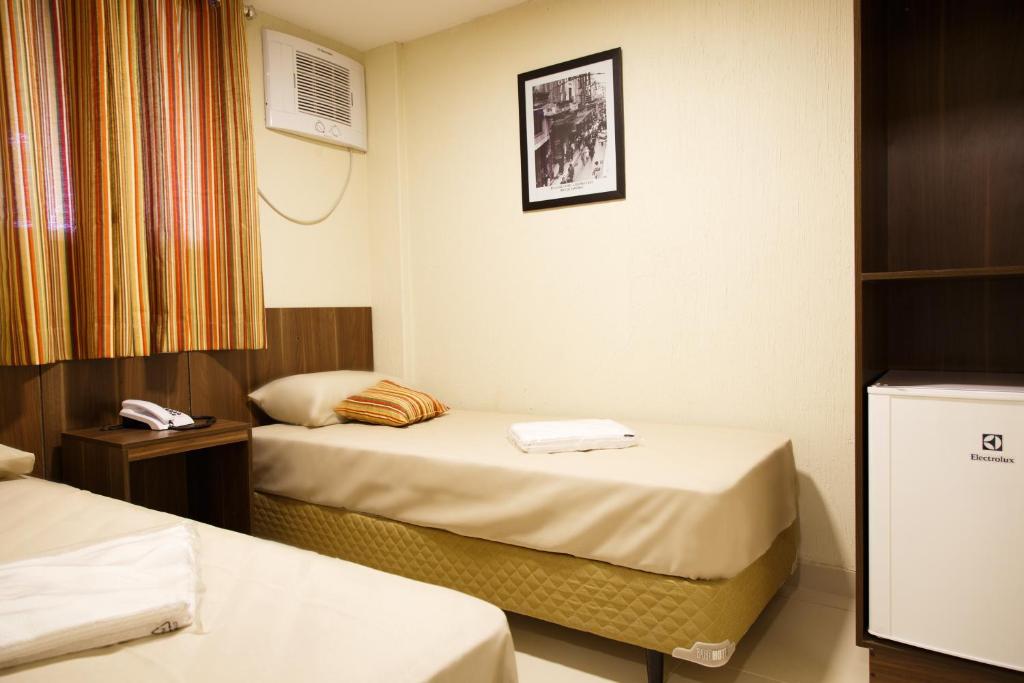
(319, 126)
(334, 131)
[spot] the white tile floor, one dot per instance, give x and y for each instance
(803, 636)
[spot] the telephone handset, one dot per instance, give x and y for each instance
(153, 416)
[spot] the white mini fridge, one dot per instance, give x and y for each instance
(945, 552)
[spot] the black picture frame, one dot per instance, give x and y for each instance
(564, 163)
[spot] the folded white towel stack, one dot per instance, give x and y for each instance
(117, 590)
(570, 435)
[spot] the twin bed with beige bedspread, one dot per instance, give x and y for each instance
(268, 613)
(675, 545)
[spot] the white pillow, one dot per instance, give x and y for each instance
(309, 399)
(14, 462)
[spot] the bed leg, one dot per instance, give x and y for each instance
(655, 666)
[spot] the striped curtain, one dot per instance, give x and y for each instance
(35, 200)
(133, 227)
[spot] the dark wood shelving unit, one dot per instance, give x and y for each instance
(939, 226)
(944, 273)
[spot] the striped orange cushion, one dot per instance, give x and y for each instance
(387, 403)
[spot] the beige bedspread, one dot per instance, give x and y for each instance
(270, 612)
(693, 502)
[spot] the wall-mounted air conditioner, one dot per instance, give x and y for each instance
(313, 91)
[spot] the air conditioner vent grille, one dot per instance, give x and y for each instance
(323, 88)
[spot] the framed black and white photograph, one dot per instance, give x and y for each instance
(570, 132)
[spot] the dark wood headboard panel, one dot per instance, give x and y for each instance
(298, 340)
(38, 403)
(21, 410)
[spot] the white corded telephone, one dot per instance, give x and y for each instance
(153, 415)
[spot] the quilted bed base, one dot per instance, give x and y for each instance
(663, 613)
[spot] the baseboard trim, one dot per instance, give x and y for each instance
(823, 578)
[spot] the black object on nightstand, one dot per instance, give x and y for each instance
(202, 474)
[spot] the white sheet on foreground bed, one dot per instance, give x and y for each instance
(694, 502)
(269, 612)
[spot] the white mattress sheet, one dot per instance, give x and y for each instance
(696, 502)
(269, 612)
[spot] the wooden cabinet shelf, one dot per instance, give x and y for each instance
(944, 273)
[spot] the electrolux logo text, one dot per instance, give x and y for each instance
(992, 443)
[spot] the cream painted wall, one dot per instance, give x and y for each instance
(387, 240)
(719, 292)
(322, 265)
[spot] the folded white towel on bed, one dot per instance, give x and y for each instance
(125, 588)
(570, 435)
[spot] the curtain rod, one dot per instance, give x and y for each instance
(248, 11)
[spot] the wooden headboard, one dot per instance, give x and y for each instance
(38, 403)
(298, 340)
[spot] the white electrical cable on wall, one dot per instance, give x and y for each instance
(321, 219)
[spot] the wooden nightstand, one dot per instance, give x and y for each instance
(202, 474)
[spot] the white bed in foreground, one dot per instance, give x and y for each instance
(269, 612)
